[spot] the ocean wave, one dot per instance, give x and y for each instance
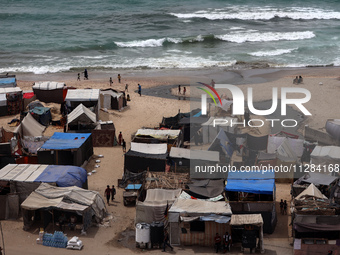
(147, 43)
(241, 37)
(272, 52)
(261, 13)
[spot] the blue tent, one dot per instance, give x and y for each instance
(64, 141)
(257, 182)
(8, 82)
(63, 176)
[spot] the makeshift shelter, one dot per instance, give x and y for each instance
(87, 97)
(211, 128)
(253, 192)
(47, 198)
(112, 99)
(311, 191)
(295, 145)
(50, 91)
(173, 137)
(257, 143)
(81, 118)
(146, 156)
(222, 145)
(196, 222)
(182, 158)
(153, 207)
(104, 135)
(20, 180)
(10, 100)
(333, 128)
(239, 221)
(66, 149)
(30, 127)
(325, 155)
(206, 189)
(42, 115)
(8, 81)
(28, 97)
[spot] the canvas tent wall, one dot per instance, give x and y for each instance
(222, 144)
(49, 91)
(210, 129)
(325, 155)
(8, 81)
(153, 207)
(86, 203)
(173, 137)
(144, 156)
(112, 99)
(81, 118)
(333, 128)
(200, 219)
(10, 101)
(66, 149)
(87, 97)
(30, 127)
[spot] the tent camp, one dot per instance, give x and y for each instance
(50, 91)
(30, 127)
(8, 81)
(51, 201)
(10, 100)
(196, 222)
(66, 149)
(274, 143)
(173, 137)
(153, 207)
(81, 118)
(333, 128)
(253, 192)
(112, 99)
(325, 155)
(238, 221)
(143, 156)
(18, 181)
(87, 97)
(222, 145)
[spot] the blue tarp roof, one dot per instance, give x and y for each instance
(63, 176)
(133, 186)
(7, 80)
(262, 182)
(63, 141)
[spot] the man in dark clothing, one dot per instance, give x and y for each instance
(218, 241)
(281, 206)
(124, 146)
(107, 193)
(139, 89)
(113, 192)
(166, 240)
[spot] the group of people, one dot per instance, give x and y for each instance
(184, 90)
(223, 243)
(110, 192)
(62, 220)
(298, 80)
(283, 207)
(119, 79)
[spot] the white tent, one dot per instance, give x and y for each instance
(211, 128)
(81, 114)
(311, 191)
(30, 127)
(325, 155)
(274, 143)
(176, 152)
(149, 148)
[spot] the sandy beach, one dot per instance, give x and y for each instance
(147, 111)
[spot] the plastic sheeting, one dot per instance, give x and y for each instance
(81, 113)
(325, 155)
(333, 128)
(82, 95)
(149, 148)
(48, 85)
(162, 134)
(222, 144)
(63, 141)
(176, 152)
(7, 82)
(30, 127)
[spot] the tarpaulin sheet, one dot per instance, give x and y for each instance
(63, 141)
(63, 176)
(28, 95)
(10, 80)
(251, 186)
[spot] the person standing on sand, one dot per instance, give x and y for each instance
(120, 138)
(113, 192)
(111, 82)
(139, 89)
(281, 206)
(212, 83)
(127, 87)
(118, 78)
(86, 75)
(184, 90)
(179, 89)
(124, 146)
(78, 79)
(285, 207)
(107, 193)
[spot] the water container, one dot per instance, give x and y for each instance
(142, 233)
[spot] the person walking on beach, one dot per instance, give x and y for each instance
(127, 87)
(111, 82)
(184, 90)
(139, 89)
(212, 83)
(285, 207)
(124, 146)
(118, 78)
(78, 79)
(107, 193)
(179, 89)
(120, 138)
(113, 192)
(281, 206)
(86, 75)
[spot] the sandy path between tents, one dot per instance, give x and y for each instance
(147, 111)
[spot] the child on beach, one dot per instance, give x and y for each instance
(184, 90)
(111, 82)
(127, 87)
(118, 78)
(78, 79)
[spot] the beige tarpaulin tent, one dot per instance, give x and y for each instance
(311, 191)
(30, 127)
(249, 219)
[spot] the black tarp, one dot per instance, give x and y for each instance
(206, 188)
(257, 143)
(138, 162)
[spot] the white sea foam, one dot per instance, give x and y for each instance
(241, 37)
(271, 52)
(147, 43)
(261, 13)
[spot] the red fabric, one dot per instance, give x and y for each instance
(28, 95)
